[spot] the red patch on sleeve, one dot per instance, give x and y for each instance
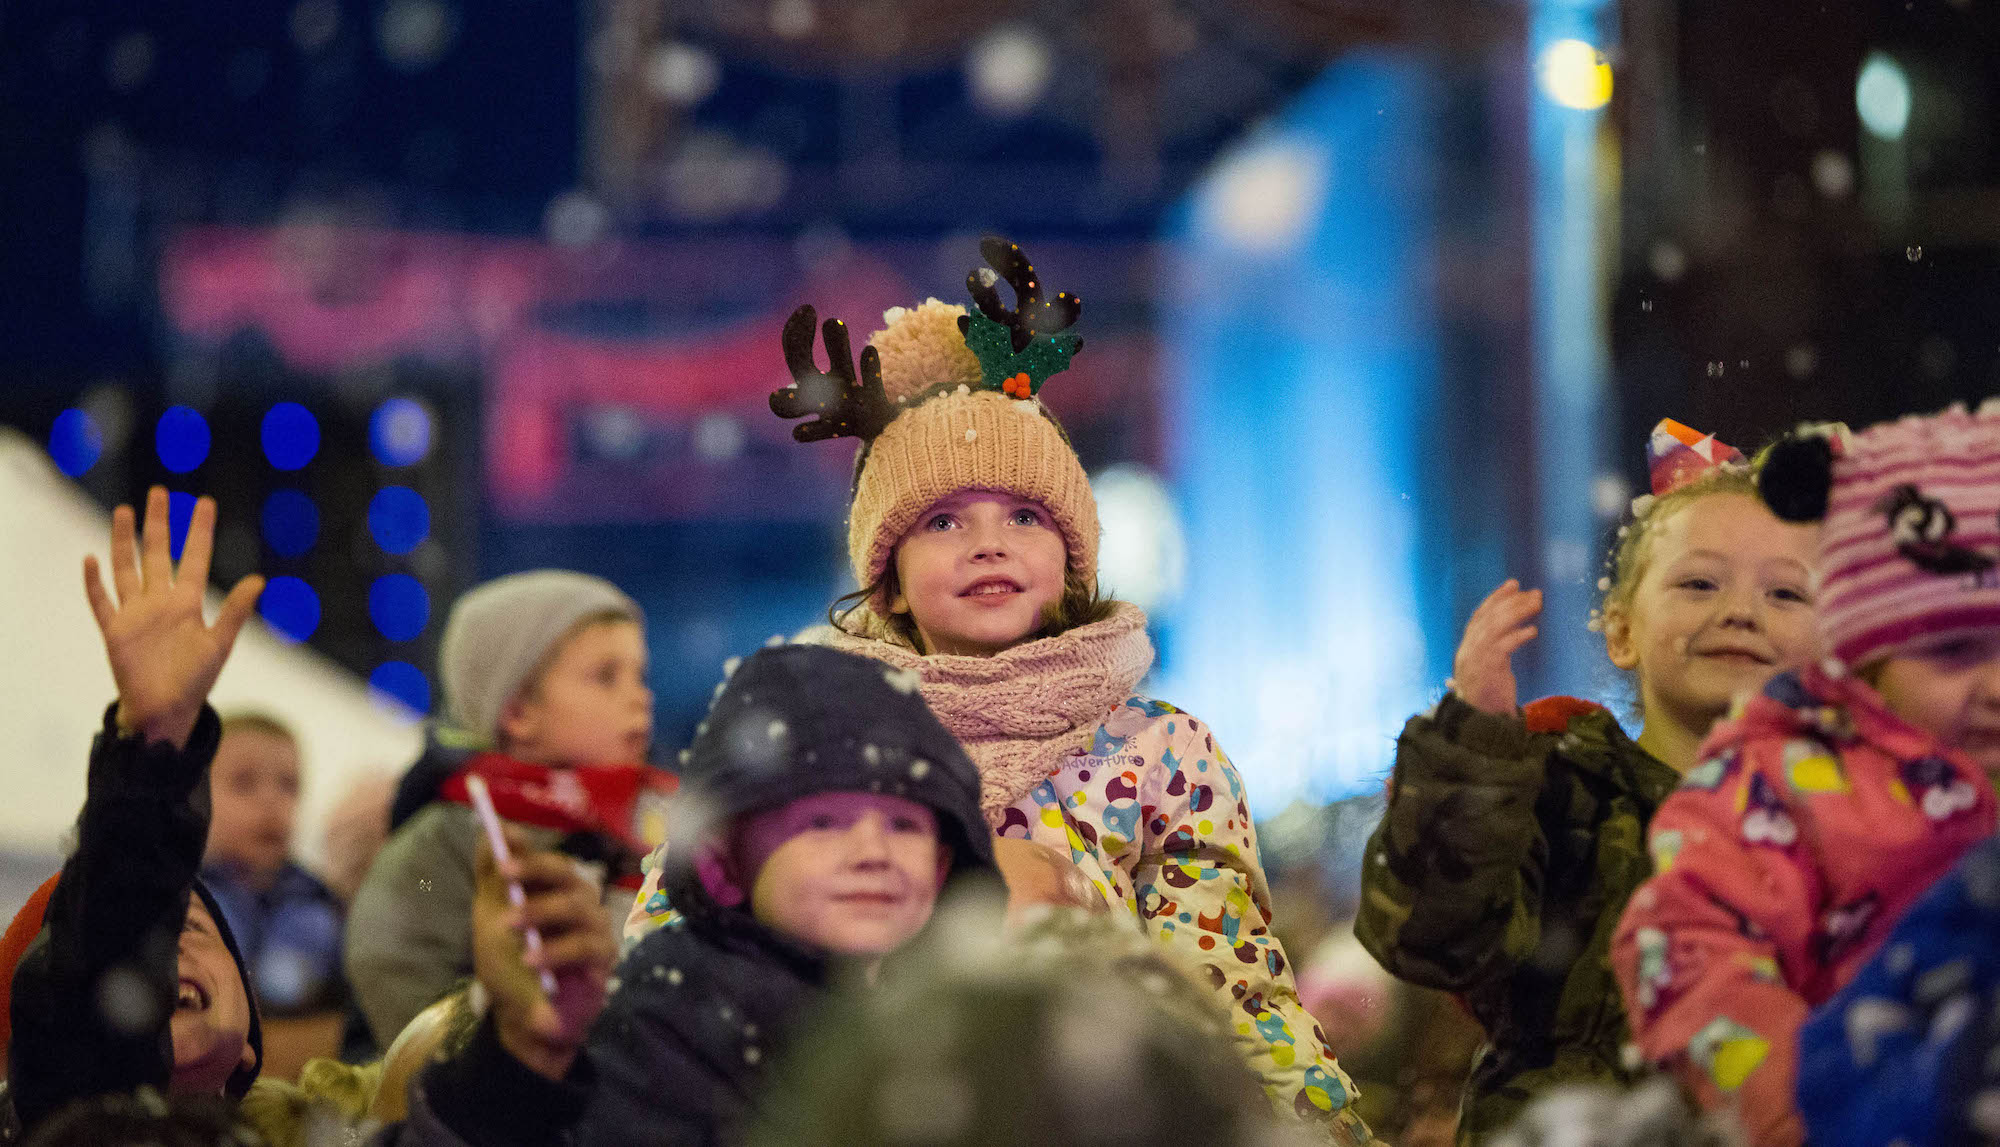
(1553, 714)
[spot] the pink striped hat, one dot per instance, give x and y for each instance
(1910, 546)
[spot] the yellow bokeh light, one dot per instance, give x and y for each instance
(1575, 75)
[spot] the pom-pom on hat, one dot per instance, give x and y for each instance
(1910, 546)
(945, 399)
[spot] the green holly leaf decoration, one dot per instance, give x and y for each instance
(1003, 369)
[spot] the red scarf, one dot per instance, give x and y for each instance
(624, 804)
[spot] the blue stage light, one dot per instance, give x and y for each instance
(291, 523)
(75, 442)
(290, 607)
(182, 439)
(403, 683)
(399, 519)
(399, 606)
(399, 432)
(291, 435)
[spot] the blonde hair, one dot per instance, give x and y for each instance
(1626, 566)
(253, 721)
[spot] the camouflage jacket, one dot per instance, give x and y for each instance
(1498, 872)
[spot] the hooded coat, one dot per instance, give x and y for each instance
(1814, 820)
(112, 931)
(1508, 849)
(706, 1001)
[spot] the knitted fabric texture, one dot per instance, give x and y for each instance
(921, 348)
(1021, 711)
(1910, 548)
(967, 440)
(499, 633)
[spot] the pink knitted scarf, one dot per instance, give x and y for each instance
(1021, 711)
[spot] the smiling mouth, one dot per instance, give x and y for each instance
(994, 588)
(192, 997)
(879, 899)
(1742, 655)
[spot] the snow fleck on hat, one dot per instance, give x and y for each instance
(1910, 547)
(501, 631)
(946, 400)
(1678, 454)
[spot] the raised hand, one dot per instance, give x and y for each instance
(1483, 670)
(164, 656)
(577, 948)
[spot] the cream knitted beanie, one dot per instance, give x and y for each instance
(945, 401)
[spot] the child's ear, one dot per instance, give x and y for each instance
(712, 866)
(1618, 643)
(517, 721)
(899, 603)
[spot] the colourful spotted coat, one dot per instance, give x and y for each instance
(1781, 863)
(1155, 816)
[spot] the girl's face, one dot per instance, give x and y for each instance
(854, 873)
(1722, 603)
(1950, 688)
(978, 571)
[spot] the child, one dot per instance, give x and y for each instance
(1843, 790)
(973, 533)
(824, 808)
(132, 980)
(1513, 837)
(1909, 1051)
(544, 673)
(287, 922)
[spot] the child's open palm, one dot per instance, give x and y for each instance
(1483, 670)
(164, 656)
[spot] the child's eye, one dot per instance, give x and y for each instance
(1698, 584)
(1789, 593)
(940, 522)
(1027, 517)
(906, 824)
(822, 822)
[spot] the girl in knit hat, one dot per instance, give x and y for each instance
(973, 533)
(1844, 789)
(1514, 835)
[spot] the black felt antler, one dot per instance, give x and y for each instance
(1031, 315)
(847, 407)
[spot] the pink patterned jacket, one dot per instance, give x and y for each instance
(1815, 818)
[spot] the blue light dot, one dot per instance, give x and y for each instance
(399, 606)
(291, 435)
(399, 432)
(182, 439)
(290, 607)
(399, 519)
(75, 442)
(180, 511)
(290, 522)
(404, 683)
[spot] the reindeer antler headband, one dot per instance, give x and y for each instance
(1018, 350)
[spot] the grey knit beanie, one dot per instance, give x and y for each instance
(499, 632)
